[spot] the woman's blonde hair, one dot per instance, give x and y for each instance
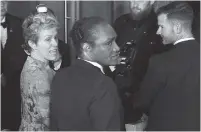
(34, 23)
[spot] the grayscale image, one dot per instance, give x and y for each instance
(100, 65)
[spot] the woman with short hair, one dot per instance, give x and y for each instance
(40, 30)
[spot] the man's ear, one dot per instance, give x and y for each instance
(32, 44)
(177, 27)
(86, 47)
(87, 51)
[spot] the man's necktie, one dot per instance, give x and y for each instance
(4, 24)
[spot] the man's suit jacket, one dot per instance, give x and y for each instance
(149, 43)
(13, 55)
(64, 50)
(12, 61)
(83, 98)
(170, 91)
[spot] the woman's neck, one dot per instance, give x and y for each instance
(36, 56)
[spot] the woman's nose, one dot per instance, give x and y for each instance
(55, 42)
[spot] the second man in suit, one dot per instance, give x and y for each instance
(170, 91)
(83, 98)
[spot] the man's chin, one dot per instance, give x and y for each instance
(114, 63)
(165, 42)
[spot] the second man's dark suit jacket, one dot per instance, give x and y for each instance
(12, 61)
(84, 99)
(170, 92)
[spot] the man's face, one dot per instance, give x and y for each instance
(4, 6)
(105, 50)
(165, 29)
(139, 8)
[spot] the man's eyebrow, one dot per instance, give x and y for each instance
(109, 40)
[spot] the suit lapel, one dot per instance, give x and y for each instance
(10, 31)
(9, 28)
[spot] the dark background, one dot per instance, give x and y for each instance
(109, 10)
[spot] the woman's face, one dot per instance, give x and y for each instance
(47, 44)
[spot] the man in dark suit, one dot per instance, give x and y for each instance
(170, 91)
(127, 27)
(136, 31)
(12, 60)
(83, 98)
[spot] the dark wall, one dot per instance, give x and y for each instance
(87, 8)
(109, 10)
(58, 8)
(23, 8)
(96, 8)
(195, 5)
(120, 8)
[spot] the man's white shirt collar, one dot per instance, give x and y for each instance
(4, 19)
(3, 34)
(95, 64)
(58, 66)
(185, 39)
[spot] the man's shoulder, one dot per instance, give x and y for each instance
(79, 69)
(63, 71)
(160, 58)
(85, 76)
(13, 18)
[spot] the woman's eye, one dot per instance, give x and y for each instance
(48, 39)
(56, 37)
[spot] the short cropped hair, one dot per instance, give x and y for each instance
(85, 31)
(178, 10)
(34, 23)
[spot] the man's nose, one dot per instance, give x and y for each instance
(116, 47)
(158, 32)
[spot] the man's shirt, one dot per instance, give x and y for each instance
(4, 36)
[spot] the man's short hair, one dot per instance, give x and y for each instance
(178, 10)
(85, 31)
